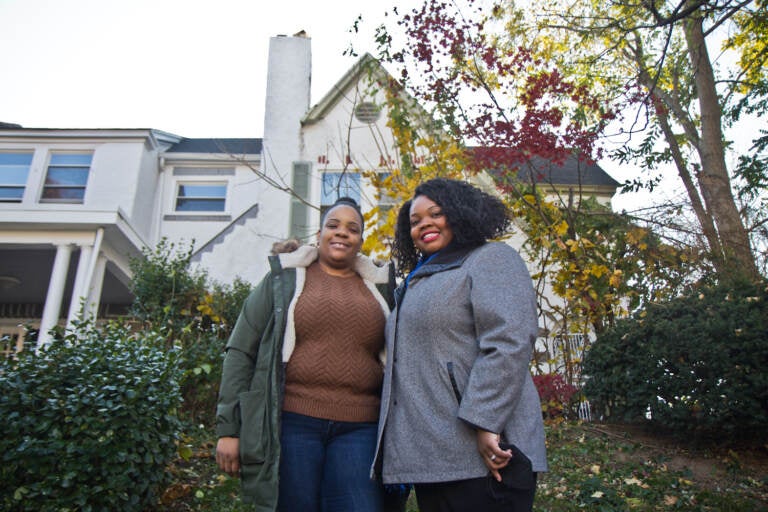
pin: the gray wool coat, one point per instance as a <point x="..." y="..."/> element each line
<point x="460" y="343"/>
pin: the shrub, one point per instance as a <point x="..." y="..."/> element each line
<point x="193" y="315"/>
<point x="90" y="422"/>
<point x="166" y="291"/>
<point x="555" y="395"/>
<point x="694" y="365"/>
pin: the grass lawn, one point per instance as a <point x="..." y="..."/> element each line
<point x="593" y="467"/>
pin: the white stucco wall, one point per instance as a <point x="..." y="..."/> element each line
<point x="145" y="207"/>
<point x="242" y="251"/>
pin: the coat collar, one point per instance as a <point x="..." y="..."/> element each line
<point x="306" y="254"/>
<point x="448" y="258"/>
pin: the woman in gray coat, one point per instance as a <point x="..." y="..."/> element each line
<point x="460" y="416"/>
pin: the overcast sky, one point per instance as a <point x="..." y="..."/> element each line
<point x="193" y="68"/>
<point x="190" y="67"/>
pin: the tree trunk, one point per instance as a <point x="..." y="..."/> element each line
<point x="713" y="178"/>
<point x="705" y="220"/>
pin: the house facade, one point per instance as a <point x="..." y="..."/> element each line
<point x="76" y="205"/>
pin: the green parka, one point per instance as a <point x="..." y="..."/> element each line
<point x="251" y="392"/>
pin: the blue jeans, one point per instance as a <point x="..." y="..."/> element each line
<point x="325" y="466"/>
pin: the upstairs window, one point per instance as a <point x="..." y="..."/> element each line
<point x="340" y="184"/>
<point x="201" y="197"/>
<point x="14" y="169"/>
<point x="67" y="177"/>
<point x="336" y="185"/>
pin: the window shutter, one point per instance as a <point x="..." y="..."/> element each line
<point x="299" y="210"/>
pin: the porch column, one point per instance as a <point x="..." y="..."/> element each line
<point x="97" y="282"/>
<point x="55" y="294"/>
<point x="79" y="294"/>
<point x="85" y="276"/>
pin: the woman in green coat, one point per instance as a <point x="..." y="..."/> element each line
<point x="301" y="383"/>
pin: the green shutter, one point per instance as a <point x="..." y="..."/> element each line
<point x="299" y="210"/>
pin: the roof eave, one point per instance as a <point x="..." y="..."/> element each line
<point x="318" y="111"/>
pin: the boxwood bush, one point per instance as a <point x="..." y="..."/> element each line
<point x="89" y="423"/>
<point x="695" y="366"/>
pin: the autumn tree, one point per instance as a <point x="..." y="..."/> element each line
<point x="652" y="62"/>
<point x="508" y="107"/>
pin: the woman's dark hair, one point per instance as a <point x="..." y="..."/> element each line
<point x="473" y="215"/>
<point x="344" y="201"/>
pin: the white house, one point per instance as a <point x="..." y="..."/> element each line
<point x="77" y="204"/>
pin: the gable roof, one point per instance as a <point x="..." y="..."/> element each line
<point x="236" y="146"/>
<point x="571" y="172"/>
<point x="365" y="64"/>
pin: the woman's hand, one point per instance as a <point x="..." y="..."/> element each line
<point x="494" y="457"/>
<point x="228" y="455"/>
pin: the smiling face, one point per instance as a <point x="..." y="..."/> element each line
<point x="430" y="230"/>
<point x="341" y="237"/>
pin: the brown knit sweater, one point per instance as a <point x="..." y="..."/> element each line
<point x="335" y="372"/>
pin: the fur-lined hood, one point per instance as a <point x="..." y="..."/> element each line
<point x="305" y="255"/>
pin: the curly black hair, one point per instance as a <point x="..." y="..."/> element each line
<point x="473" y="215"/>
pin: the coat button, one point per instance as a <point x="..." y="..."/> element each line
<point x="279" y="310"/>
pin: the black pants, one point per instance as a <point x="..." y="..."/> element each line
<point x="473" y="495"/>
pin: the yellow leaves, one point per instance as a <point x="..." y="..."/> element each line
<point x="616" y="278"/>
<point x="185" y="451"/>
<point x="636" y="235"/>
<point x="751" y="41"/>
<point x="206" y="309"/>
<point x="637" y="482"/>
<point x="598" y="270"/>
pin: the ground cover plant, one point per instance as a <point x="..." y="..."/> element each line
<point x="593" y="466"/>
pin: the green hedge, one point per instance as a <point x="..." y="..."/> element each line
<point x="695" y="365"/>
<point x="89" y="424"/>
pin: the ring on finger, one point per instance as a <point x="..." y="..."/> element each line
<point x="492" y="457"/>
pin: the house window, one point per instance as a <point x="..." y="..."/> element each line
<point x="67" y="177"/>
<point x="14" y="169"/>
<point x="340" y="184"/>
<point x="201" y="197"/>
<point x="336" y="185"/>
<point x="386" y="201"/>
